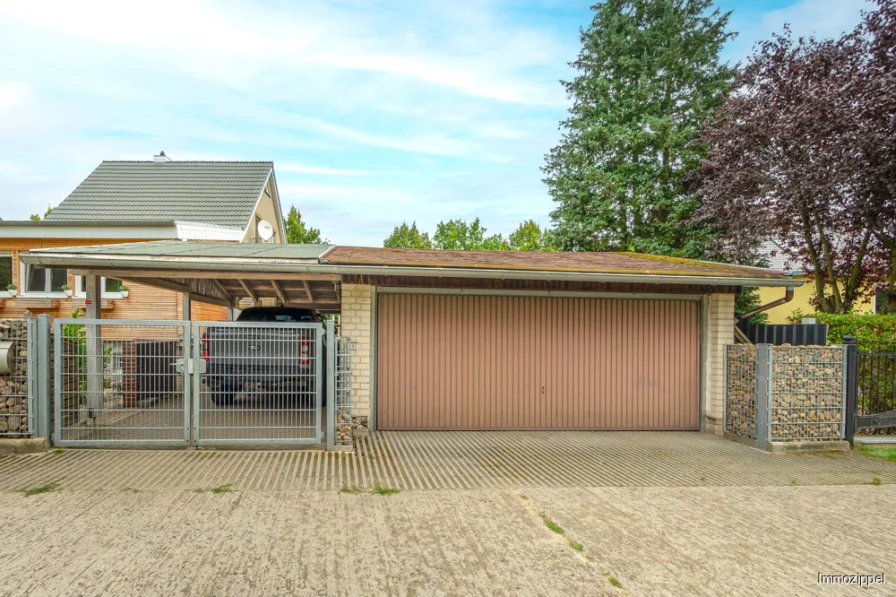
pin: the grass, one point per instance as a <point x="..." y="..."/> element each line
<point x="553" y="525"/>
<point x="875" y="481"/>
<point x="881" y="453"/>
<point x="384" y="490"/>
<point x="58" y="451"/>
<point x="48" y="488"/>
<point x="129" y="490"/>
<point x="522" y="497"/>
<point x="614" y="582"/>
<point x="577" y="546"/>
<point x="226" y="488"/>
<point x="793" y="482"/>
<point x="353" y="489"/>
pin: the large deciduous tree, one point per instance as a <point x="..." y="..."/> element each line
<point x="458" y="235"/>
<point x="531" y="237"/>
<point x="408" y="237"/>
<point x="803" y="150"/>
<point x="649" y="75"/>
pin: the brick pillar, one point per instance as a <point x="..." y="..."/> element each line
<point x="356" y="323"/>
<point x="718" y="330"/>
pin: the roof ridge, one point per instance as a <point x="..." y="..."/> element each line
<point x="188" y="162"/>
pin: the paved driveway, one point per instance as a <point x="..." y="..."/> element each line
<point x="456" y="460"/>
<point x="248" y="523"/>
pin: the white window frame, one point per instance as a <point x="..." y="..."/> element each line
<point x="23" y="286"/>
<point x="82" y="292"/>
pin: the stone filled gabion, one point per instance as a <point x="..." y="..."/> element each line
<point x="14" y="385"/>
<point x="740" y="413"/>
<point x="344" y="428"/>
<point x="806" y="392"/>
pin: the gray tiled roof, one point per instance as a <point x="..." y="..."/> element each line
<point x="222" y="193"/>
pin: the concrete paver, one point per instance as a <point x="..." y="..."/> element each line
<point x="662" y="514"/>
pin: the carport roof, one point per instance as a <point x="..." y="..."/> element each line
<point x="294" y="259"/>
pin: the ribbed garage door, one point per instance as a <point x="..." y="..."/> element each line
<point x="502" y="362"/>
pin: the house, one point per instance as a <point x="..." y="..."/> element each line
<point x="776" y="255"/>
<point x="138" y="201"/>
<point x="479" y="340"/>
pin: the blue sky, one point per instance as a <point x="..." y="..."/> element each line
<point x="374" y="112"/>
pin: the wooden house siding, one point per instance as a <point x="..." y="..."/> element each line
<point x="143" y="302"/>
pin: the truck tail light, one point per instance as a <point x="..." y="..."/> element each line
<point x="304" y="351"/>
<point x="204" y="345"/>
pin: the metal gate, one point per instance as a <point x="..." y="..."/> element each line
<point x="257" y="383"/>
<point x="172" y="383"/>
<point x="120" y="383"/>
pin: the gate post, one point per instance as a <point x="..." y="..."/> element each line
<point x="763" y="394"/>
<point x="851" y="371"/>
<point x="331" y="386"/>
<point x="42" y="356"/>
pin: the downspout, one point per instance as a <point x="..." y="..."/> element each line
<point x="788" y="296"/>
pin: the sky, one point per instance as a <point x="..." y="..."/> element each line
<point x="374" y="112"/>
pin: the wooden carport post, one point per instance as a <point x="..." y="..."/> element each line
<point x="94" y="346"/>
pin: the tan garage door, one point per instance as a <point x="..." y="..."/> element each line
<point x="499" y="362"/>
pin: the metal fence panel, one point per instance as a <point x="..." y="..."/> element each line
<point x="795" y="334"/>
<point x="120" y="382"/>
<point x="875" y="387"/>
<point x="257" y="383"/>
<point x="16" y="380"/>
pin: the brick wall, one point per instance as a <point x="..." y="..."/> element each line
<point x="357" y="321"/>
<point x="719" y="330"/>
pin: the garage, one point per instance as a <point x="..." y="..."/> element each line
<point x="471" y="340"/>
<point x="492" y="362"/>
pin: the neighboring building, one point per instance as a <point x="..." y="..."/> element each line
<point x="777" y="257"/>
<point x="138" y="201"/>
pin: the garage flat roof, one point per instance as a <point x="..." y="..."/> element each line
<point x="606" y="262"/>
<point x="235" y="259"/>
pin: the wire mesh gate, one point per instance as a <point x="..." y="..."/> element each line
<point x="118" y="383"/>
<point x="154" y="383"/>
<point x="261" y="383"/>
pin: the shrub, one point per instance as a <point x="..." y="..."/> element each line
<point x="870" y="330"/>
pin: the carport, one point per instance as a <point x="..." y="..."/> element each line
<point x="480" y="340"/>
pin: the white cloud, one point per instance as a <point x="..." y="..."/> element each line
<point x="13" y="94"/>
<point x="319" y="170"/>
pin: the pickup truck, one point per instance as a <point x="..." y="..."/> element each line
<point x="269" y="363"/>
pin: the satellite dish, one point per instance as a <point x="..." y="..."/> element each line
<point x="265" y="230"/>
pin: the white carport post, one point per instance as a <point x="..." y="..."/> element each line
<point x="185" y="298"/>
<point x="94" y="346"/>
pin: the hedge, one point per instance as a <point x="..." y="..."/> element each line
<point x="870" y="330"/>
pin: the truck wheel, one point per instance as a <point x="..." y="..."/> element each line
<point x="221" y="394"/>
<point x="222" y="398"/>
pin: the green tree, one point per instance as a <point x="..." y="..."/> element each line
<point x="649" y="75"/>
<point x="408" y="237"/>
<point x="530" y="237"/>
<point x="36" y="217"/>
<point x="458" y="235"/>
<point x="297" y="231"/>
